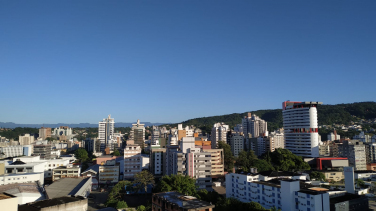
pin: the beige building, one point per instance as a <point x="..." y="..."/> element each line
<point x="217" y="161"/>
<point x="26" y="139"/>
<point x="8" y="202"/>
<point x="137" y="133"/>
<point x="109" y="172"/>
<point x="65" y="171"/>
<point x="132" y="159"/>
<point x="44" y="132"/>
<point x="333" y="175"/>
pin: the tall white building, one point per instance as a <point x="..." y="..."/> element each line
<point x="301" y="128"/>
<point x="219" y="133"/>
<point x="106" y="133"/>
<point x="254" y="125"/>
<point x="132" y="160"/>
<point x="155" y="135"/>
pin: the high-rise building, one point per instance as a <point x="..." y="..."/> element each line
<point x="301" y="128"/>
<point x="219" y="133"/>
<point x="157" y="160"/>
<point x="44" y="151"/>
<point x="355" y="152"/>
<point x="44" y="132"/>
<point x="237" y="144"/>
<point x="362" y="137"/>
<point x="132" y="159"/>
<point x="106" y="133"/>
<point x="254" y="125"/>
<point x="137" y="134"/>
<point x="26" y="139"/>
<point x="155" y="135"/>
<point x="333" y="136"/>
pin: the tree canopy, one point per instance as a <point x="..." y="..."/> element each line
<point x="247" y="160"/>
<point x="81" y="154"/>
<point x="228" y="156"/>
<point x="116" y="153"/>
<point x="317" y="176"/>
<point x="182" y="184"/>
<point x="284" y="160"/>
<point x="143" y="179"/>
<point x="115" y="195"/>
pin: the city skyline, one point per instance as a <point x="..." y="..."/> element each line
<point x="170" y="61"/>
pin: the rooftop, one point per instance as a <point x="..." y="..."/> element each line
<point x="364" y="171"/>
<point x="345" y="197"/>
<point x="37" y="206"/>
<point x="185" y="202"/>
<point x="65" y="187"/>
<point x="20" y="188"/>
<point x="312" y="191"/>
<point x="4" y="196"/>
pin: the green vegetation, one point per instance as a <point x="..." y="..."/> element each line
<point x="18" y="131"/>
<point x="284" y="160"/>
<point x="227" y="153"/>
<point x="143" y="179"/>
<point x="115" y="195"/>
<point x="179" y="183"/>
<point x="121" y="205"/>
<point x="141" y="208"/>
<point x="317" y="176"/>
<point x="81" y="154"/>
<point x="327" y="115"/>
<point x="116" y="153"/>
<point x="247" y="160"/>
<point x="360" y="183"/>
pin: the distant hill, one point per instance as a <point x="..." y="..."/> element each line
<point x="327" y="115"/>
<point x="80" y="125"/>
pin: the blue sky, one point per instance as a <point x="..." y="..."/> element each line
<point x="169" y="61"/>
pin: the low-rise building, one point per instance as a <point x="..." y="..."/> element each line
<point x="69" y="187"/>
<point x="65" y="172"/>
<point x="8" y="202"/>
<point x="25" y="192"/>
<point x="109" y="173"/>
<point x="22" y="178"/>
<point x="11" y="151"/>
<point x="61" y="204"/>
<point x="365" y="175"/>
<point x="132" y="159"/>
<point x="333" y="175"/>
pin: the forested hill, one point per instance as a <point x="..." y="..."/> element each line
<point x="327" y="114"/>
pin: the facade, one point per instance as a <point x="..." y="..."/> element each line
<point x="132" y="160"/>
<point x="62" y="131"/>
<point x="276" y="140"/>
<point x="333" y="175"/>
<point x="11" y="151"/>
<point x="157" y="160"/>
<point x="301" y="128"/>
<point x="217" y="161"/>
<point x="22" y="178"/>
<point x="363" y="137"/>
<point x="324" y="149"/>
<point x="254" y="125"/>
<point x="44" y="132"/>
<point x="43" y="150"/>
<point x="26" y="139"/>
<point x="355" y="151"/>
<point x="174" y="201"/>
<point x="106" y="133"/>
<point x="68" y="171"/>
<point x="219" y="133"/>
<point x="237" y="144"/>
<point x="137" y="134"/>
<point x="155" y="135"/>
<point x="109" y="173"/>
<point x="8" y="202"/>
<point x="333" y="136"/>
<point x="282" y="194"/>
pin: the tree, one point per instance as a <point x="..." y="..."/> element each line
<point x="177" y="182"/>
<point x="228" y="157"/>
<point x="143" y="179"/>
<point x="360" y="183"/>
<point x="116" y="192"/>
<point x="247" y="160"/>
<point x="81" y="154"/>
<point x="116" y="153"/>
<point x="141" y="208"/>
<point x="121" y="205"/>
<point x="284" y="160"/>
<point x="317" y="176"/>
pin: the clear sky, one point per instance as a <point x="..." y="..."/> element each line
<point x="169" y="61"/>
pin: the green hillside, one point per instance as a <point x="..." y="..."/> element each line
<point x="327" y="115"/>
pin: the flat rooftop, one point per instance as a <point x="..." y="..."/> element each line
<point x="185" y="202"/>
<point x="65" y="187"/>
<point x="345" y="197"/>
<point x="19" y="188"/>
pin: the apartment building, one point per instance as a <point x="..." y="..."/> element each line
<point x="217" y="161"/>
<point x="132" y="159"/>
<point x="355" y="151"/>
<point x="109" y="173"/>
<point x="65" y="172"/>
<point x="157" y="160"/>
<point x="301" y="128"/>
<point x="333" y="136"/>
<point x="44" y="133"/>
<point x="26" y="139"/>
<point x="174" y="201"/>
<point x="218" y="133"/>
<point x="284" y="194"/>
<point x="137" y="134"/>
<point x="43" y="150"/>
<point x="254" y="125"/>
<point x="363" y="137"/>
<point x="106" y="133"/>
<point x="11" y="151"/>
<point x="237" y="144"/>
